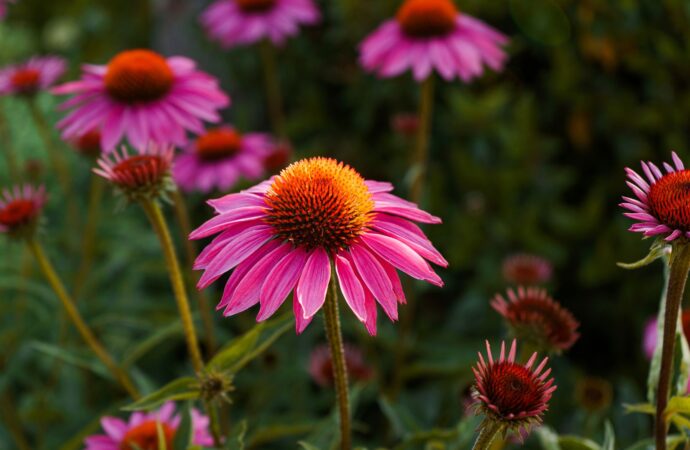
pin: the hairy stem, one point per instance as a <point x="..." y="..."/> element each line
<point x="155" y="215"/>
<point x="182" y="214"/>
<point x="421" y="154"/>
<point x="679" y="266"/>
<point x="335" y="341"/>
<point x="488" y="431"/>
<point x="76" y="318"/>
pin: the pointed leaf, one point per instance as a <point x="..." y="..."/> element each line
<point x="184" y="388"/>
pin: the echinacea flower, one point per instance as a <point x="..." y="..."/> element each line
<point x="243" y="22"/>
<point x="534" y="317"/>
<point x="20" y="208"/>
<point x="219" y="158"/>
<point x="321" y="365"/>
<point x="142" y="96"/>
<point x="285" y="233"/>
<point x="144" y="174"/>
<point x="30" y="77"/>
<point x="526" y="269"/>
<point x="593" y="394"/>
<point x="432" y="35"/>
<point x="513" y="395"/>
<point x="140" y="432"/>
<point x="89" y="143"/>
<point x="661" y="201"/>
<point x="278" y="159"/>
<point x="3" y="7"/>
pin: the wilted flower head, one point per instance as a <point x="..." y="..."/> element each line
<point x="321" y="365"/>
<point x="30" y="77"/>
<point x="593" y="394"/>
<point x="526" y="269"/>
<point x="220" y="157"/>
<point x="140" y="432"/>
<point x="514" y="395"/>
<point x="286" y="233"/>
<point x="662" y="201"/>
<point x="89" y="143"/>
<point x="428" y="35"/>
<point x="243" y="22"/>
<point x="144" y="174"/>
<point x="20" y="208"/>
<point x="142" y="96"/>
<point x="534" y="317"/>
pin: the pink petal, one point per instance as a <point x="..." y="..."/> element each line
<point x="313" y="283"/>
<point x="280" y="281"/>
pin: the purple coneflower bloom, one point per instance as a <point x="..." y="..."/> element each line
<point x="429" y="35"/>
<point x="30" y="77"/>
<point x="20" y="207"/>
<point x="142" y="96"/>
<point x="287" y="232"/>
<point x="141" y="430"/>
<point x="243" y="22"/>
<point x="219" y="158"/>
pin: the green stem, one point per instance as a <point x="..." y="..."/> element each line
<point x="488" y="431"/>
<point x="58" y="163"/>
<point x="89" y="235"/>
<point x="679" y="267"/>
<point x="182" y="214"/>
<point x="335" y="341"/>
<point x="273" y="93"/>
<point x="8" y="410"/>
<point x="216" y="432"/>
<point x="76" y="318"/>
<point x="421" y="154"/>
<point x="155" y="215"/>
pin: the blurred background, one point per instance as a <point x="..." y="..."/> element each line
<point x="528" y="160"/>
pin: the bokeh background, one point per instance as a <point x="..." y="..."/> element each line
<point x="530" y="159"/>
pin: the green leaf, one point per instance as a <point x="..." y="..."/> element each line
<point x="77" y="360"/>
<point x="678" y="405"/>
<point x="184" y="433"/>
<point x="160" y="335"/>
<point x="307" y="446"/>
<point x="577" y="443"/>
<point x="609" y="437"/>
<point x="659" y="249"/>
<point x="235" y="440"/>
<point x="184" y="388"/>
<point x="644" y="408"/>
<point x="401" y="420"/>
<point x="547" y="438"/>
<point x="242" y="350"/>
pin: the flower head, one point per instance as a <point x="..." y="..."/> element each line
<point x="429" y="35"/>
<point x="533" y="316"/>
<point x="593" y="394"/>
<point x="661" y="201"/>
<point x="140" y="432"/>
<point x="89" y="143"/>
<point x="31" y="77"/>
<point x="510" y="393"/>
<point x="526" y="269"/>
<point x="278" y="159"/>
<point x="142" y="96"/>
<point x="219" y="158"/>
<point x="244" y="22"/>
<point x="144" y="174"/>
<point x="321" y="365"/>
<point x="20" y="209"/>
<point x="286" y="232"/>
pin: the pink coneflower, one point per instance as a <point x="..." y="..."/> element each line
<point x="284" y="233"/>
<point x="143" y="174"/>
<point x="219" y="158"/>
<point x="20" y="208"/>
<point x="511" y="394"/>
<point x="3" y="7"/>
<point x="142" y="96"/>
<point x="88" y="144"/>
<point x="661" y="203"/>
<point x="650" y="333"/>
<point x="429" y="35"/>
<point x="533" y="316"/>
<point x="321" y="365"/>
<point x="526" y="269"/>
<point x="243" y="22"/>
<point x="32" y="76"/>
<point x="278" y="159"/>
<point x="140" y="432"/>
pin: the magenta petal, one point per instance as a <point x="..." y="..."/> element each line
<point x="280" y="281"/>
<point x="401" y="256"/>
<point x="234" y="253"/>
<point x="114" y="427"/>
<point x="300" y="322"/>
<point x="376" y="279"/>
<point x="411" y="235"/>
<point x="313" y="283"/>
<point x="232" y="202"/>
<point x="222" y="221"/>
<point x="351" y="287"/>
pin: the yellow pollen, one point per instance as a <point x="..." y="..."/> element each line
<point x="319" y="203"/>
